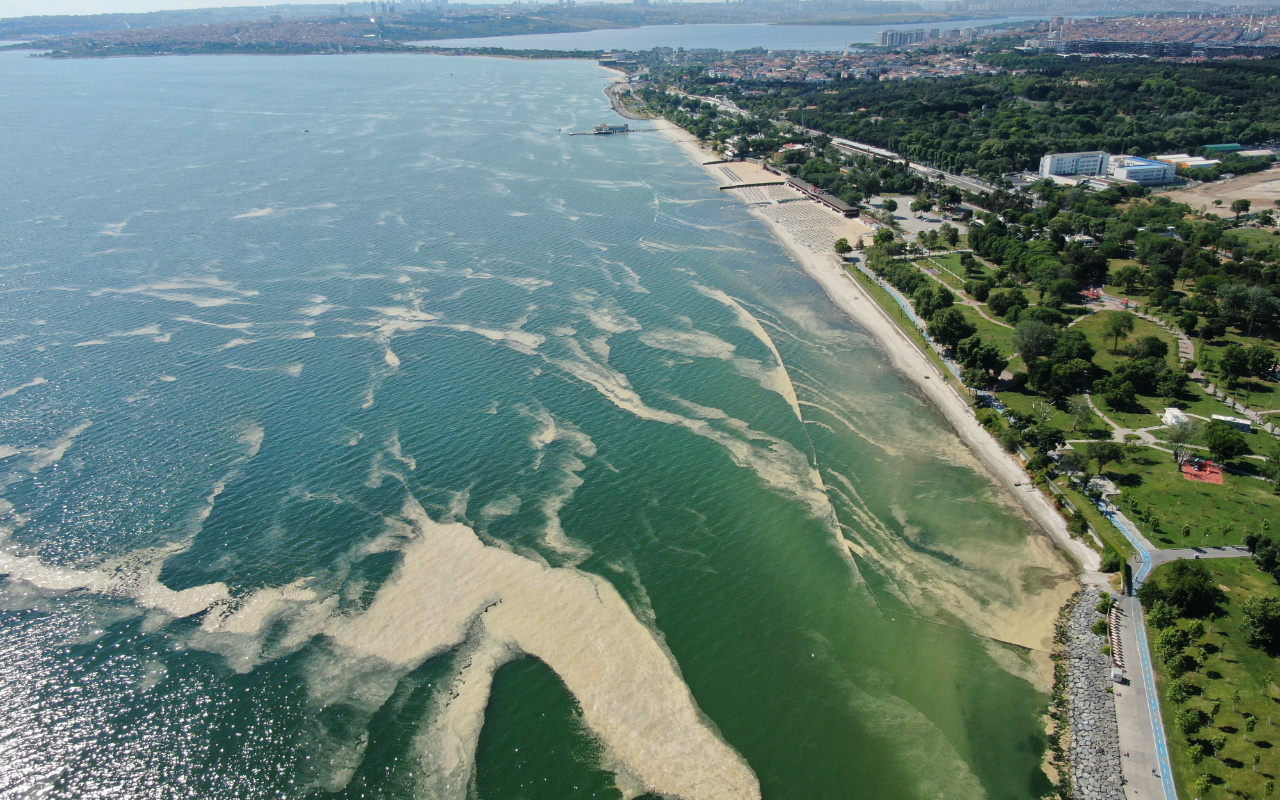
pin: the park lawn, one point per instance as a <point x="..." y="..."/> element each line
<point x="1032" y="404"/>
<point x="1254" y="393"/>
<point x="953" y="283"/>
<point x="1234" y="666"/>
<point x="1092" y="326"/>
<point x="991" y="333"/>
<point x="1193" y="400"/>
<point x="1153" y="408"/>
<point x="1218" y="515"/>
<point x="1257" y="236"/>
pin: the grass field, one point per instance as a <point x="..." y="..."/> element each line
<point x="991" y="333"/>
<point x="1162" y="502"/>
<point x="1240" y="678"/>
<point x="1092" y="327"/>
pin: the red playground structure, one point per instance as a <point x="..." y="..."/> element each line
<point x="1203" y="470"/>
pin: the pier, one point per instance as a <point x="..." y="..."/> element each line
<point x="749" y="185"/>
<point x="608" y="130"/>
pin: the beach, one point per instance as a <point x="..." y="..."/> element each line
<point x="826" y="269"/>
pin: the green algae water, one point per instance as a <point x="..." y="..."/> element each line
<point x="364" y="435"/>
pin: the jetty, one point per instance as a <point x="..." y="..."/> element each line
<point x="604" y="129"/>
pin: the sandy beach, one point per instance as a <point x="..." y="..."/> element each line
<point x="827" y="270"/>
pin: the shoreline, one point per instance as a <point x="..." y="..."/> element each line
<point x="841" y="288"/>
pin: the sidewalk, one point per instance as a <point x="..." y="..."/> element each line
<point x="1140" y="746"/>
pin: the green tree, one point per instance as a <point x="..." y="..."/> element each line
<point x="1161" y="615"/>
<point x="1118" y="394"/>
<point x="889" y="204"/>
<point x="1262" y="359"/>
<point x="1261" y="623"/>
<point x="1203" y="784"/>
<point x="843" y="246"/>
<point x="1118" y="325"/>
<point x="1181" y="690"/>
<point x="1034" y="339"/>
<point x="1130" y="278"/>
<point x="1180" y="436"/>
<point x="921" y="204"/>
<point x="1224" y="442"/>
<point x="1240" y="206"/>
<point x="950" y="234"/>
<point x="1189" y="721"/>
<point x="1234" y="363"/>
<point x="883" y="237"/>
<point x="1080" y="411"/>
<point x="1104" y="453"/>
<point x="948" y="327"/>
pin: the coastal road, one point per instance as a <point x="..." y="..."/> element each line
<point x="1143" y="742"/>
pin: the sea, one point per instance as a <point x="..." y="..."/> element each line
<point x="364" y="434"/>
<point x="719" y="36"/>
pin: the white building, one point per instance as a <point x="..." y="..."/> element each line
<point x="1188" y="161"/>
<point x="1174" y="416"/>
<point x="1141" y="170"/>
<point x="1092" y="163"/>
<point x="1243" y="425"/>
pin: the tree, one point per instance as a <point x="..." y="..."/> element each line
<point x="1203" y="784"/>
<point x="889" y="204"/>
<point x="1186" y="586"/>
<point x="1118" y="325"/>
<point x="1218" y="742"/>
<point x="1190" y="721"/>
<point x="1261" y="623"/>
<point x="1270" y="468"/>
<point x="1181" y="690"/>
<point x="1080" y="411"/>
<point x="951" y="235"/>
<point x="1180" y="435"/>
<point x="948" y="327"/>
<point x="921" y="204"/>
<point x="1104" y="453"/>
<point x="1240" y="206"/>
<point x="1224" y="442"/>
<point x="1048" y="438"/>
<point x="1117" y="393"/>
<point x="1262" y="360"/>
<point x="843" y="246"/>
<point x="883" y="237"/>
<point x="1034" y="339"/>
<point x="1130" y="278"/>
<point x="1234" y="363"/>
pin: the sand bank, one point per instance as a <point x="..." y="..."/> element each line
<point x="827" y="270"/>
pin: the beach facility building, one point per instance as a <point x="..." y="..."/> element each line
<point x="1144" y="171"/>
<point x="1240" y="424"/>
<point x="1090" y="163"/>
<point x="1188" y="161"/>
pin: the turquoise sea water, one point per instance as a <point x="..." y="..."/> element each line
<point x="364" y="434"/>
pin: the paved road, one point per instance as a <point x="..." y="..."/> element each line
<point x="1159" y="557"/>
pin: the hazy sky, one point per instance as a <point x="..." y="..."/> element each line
<point x="28" y="8"/>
